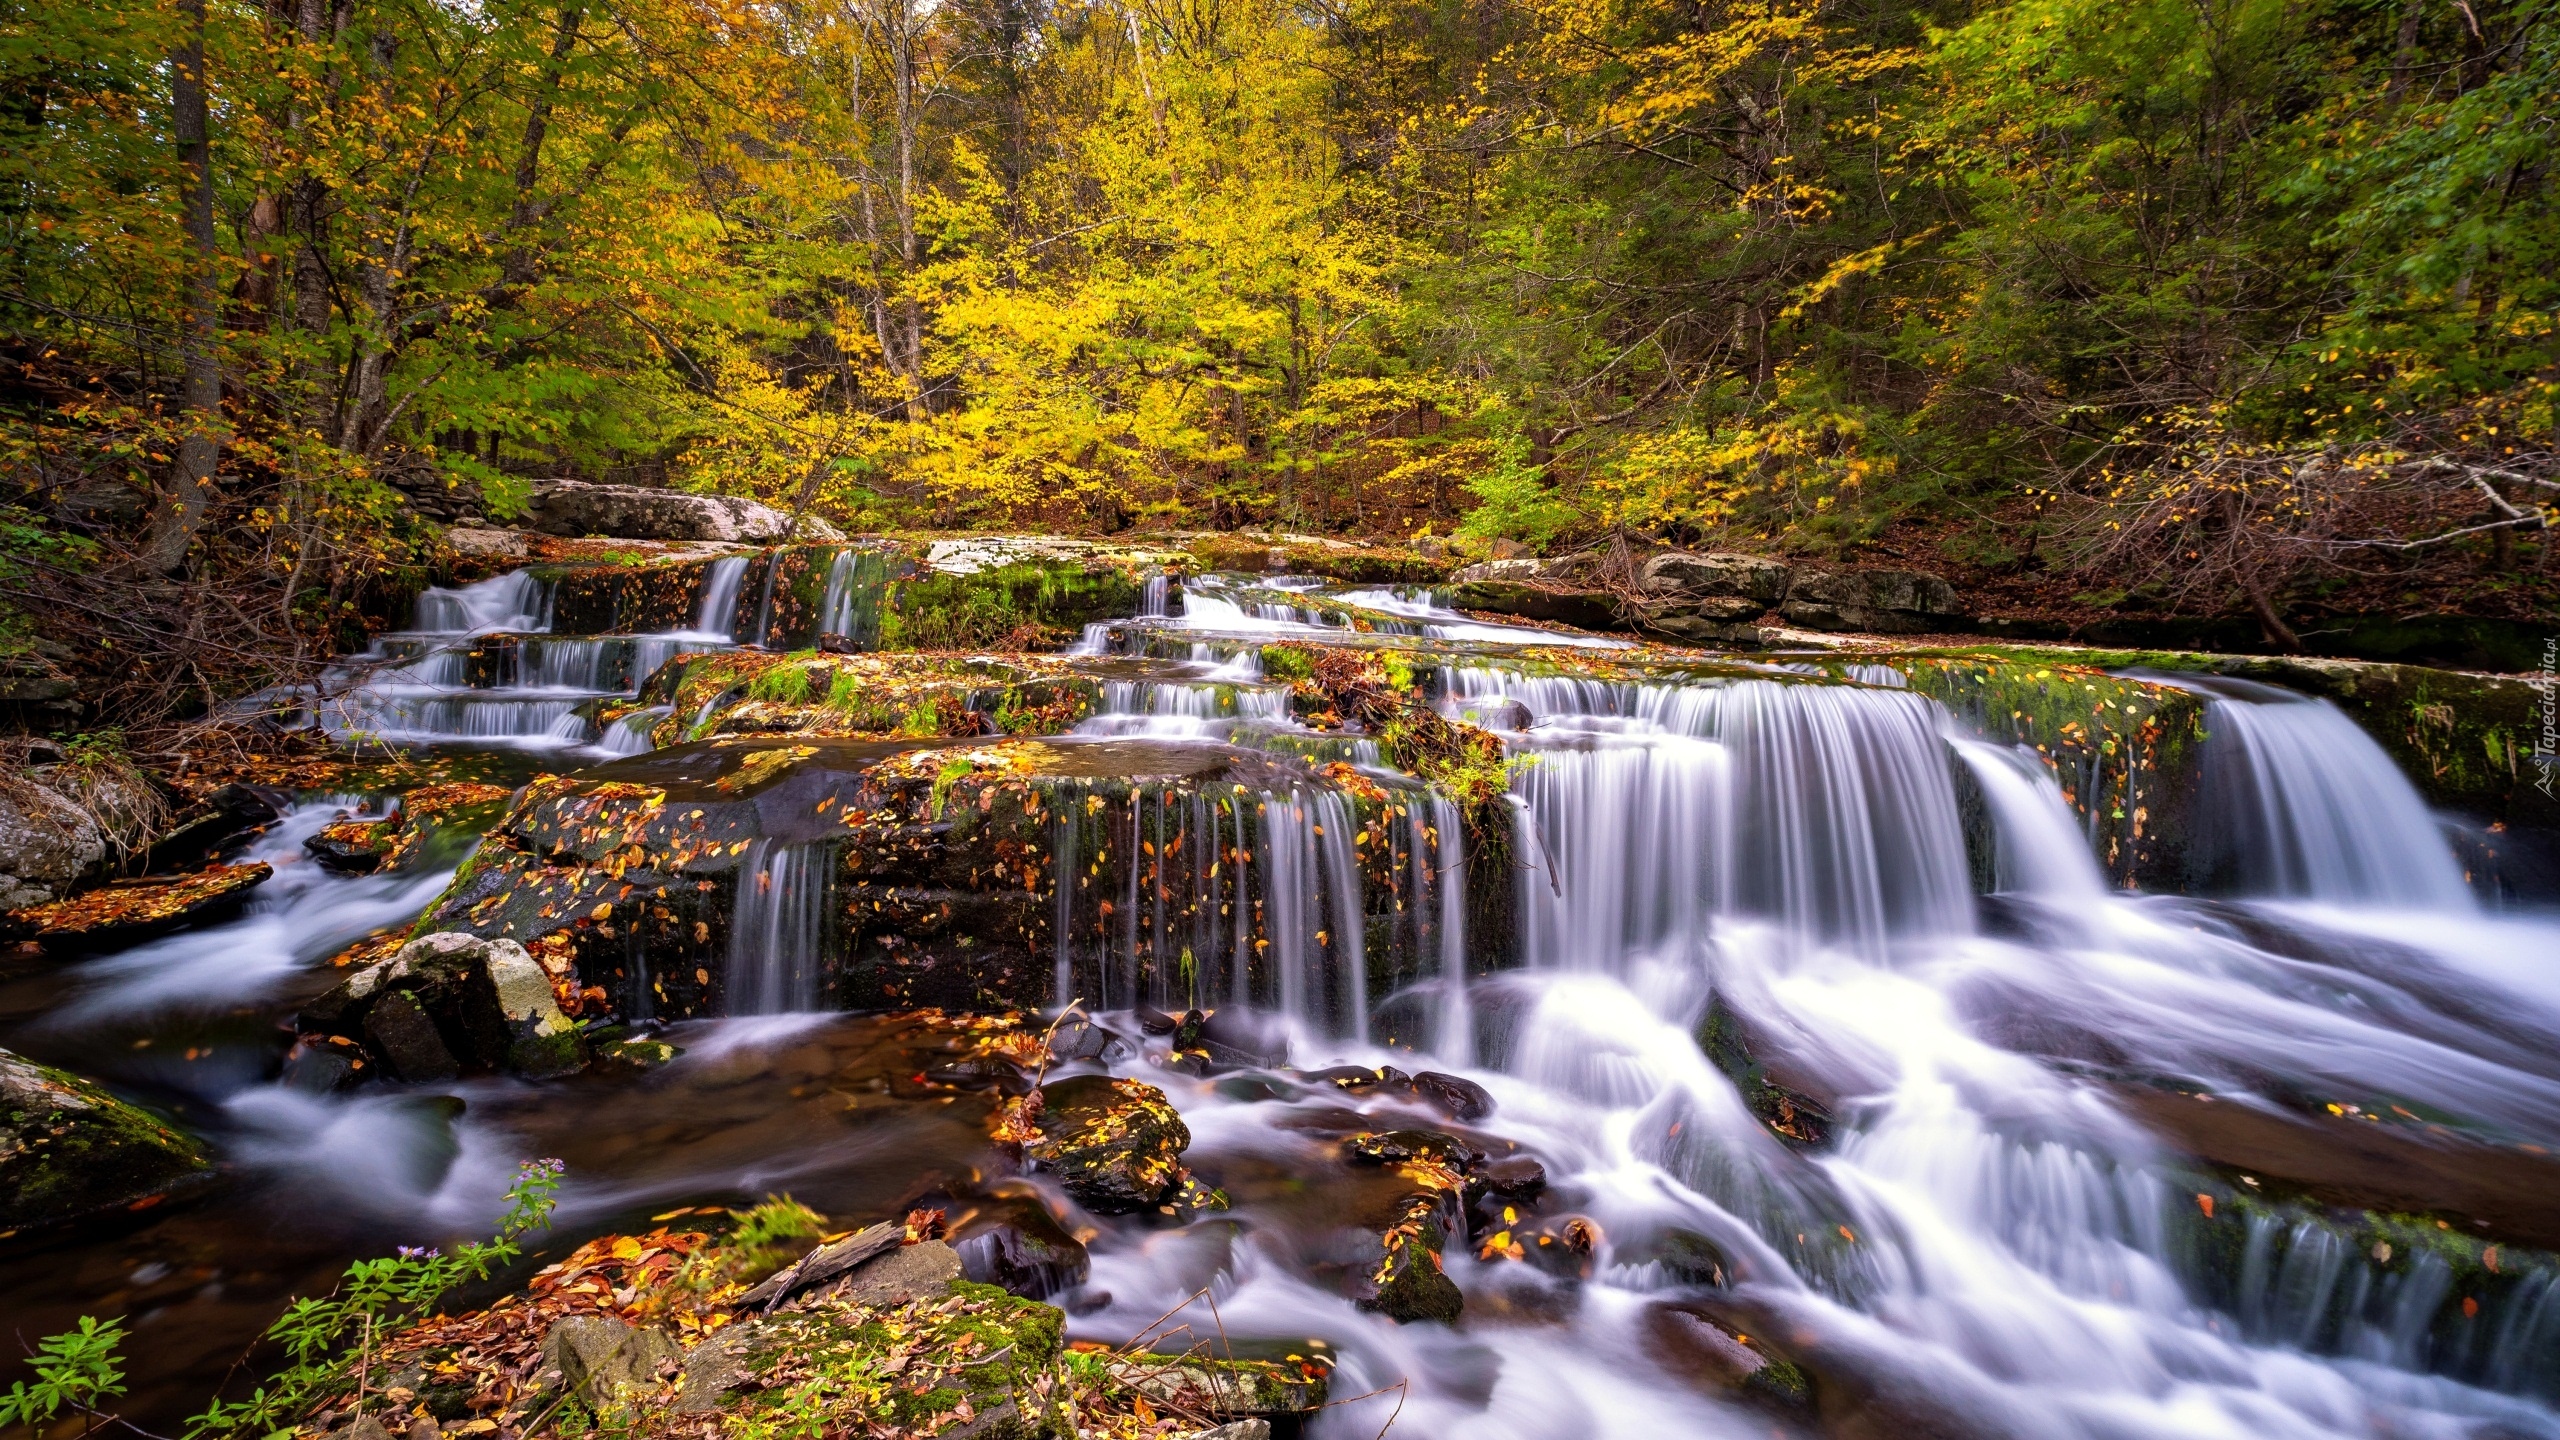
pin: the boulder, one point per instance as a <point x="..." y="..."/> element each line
<point x="598" y="1355"/>
<point x="226" y="815"/>
<point x="1455" y="1096"/>
<point x="1513" y="571"/>
<point x="1407" y="1283"/>
<point x="1716" y="573"/>
<point x="473" y="542"/>
<point x="1223" y="1389"/>
<point x="350" y="847"/>
<point x="640" y="512"/>
<point x="68" y="1148"/>
<point x="448" y="1003"/>
<point x="1115" y="1144"/>
<point x="133" y="910"/>
<point x="46" y="844"/>
<point x="1886" y="602"/>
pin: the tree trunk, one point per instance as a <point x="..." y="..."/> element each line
<point x="516" y="270"/>
<point x="190" y="487"/>
<point x="307" y="220"/>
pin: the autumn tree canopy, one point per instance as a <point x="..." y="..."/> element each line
<point x="2212" y="293"/>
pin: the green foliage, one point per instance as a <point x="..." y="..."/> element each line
<point x="783" y="684"/>
<point x="77" y="1370"/>
<point x="330" y="1340"/>
<point x="780" y="1218"/>
<point x="1789" y="272"/>
<point x="1288" y="662"/>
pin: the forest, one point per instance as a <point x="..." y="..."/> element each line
<point x="2197" y="306"/>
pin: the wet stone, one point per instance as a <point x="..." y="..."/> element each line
<point x="130" y="911"/>
<point x="1403" y="1147"/>
<point x="1031" y="1258"/>
<point x="449" y="1002"/>
<point x="350" y="847"/>
<point x="1457" y="1097"/>
<point x="1115" y="1144"/>
<point x="597" y="1355"/>
<point x="68" y="1148"/>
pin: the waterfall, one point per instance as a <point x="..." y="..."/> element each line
<point x="1312" y="915"/>
<point x="630" y="734"/>
<point x="1442" y="623"/>
<point x="777" y="933"/>
<point x="1825" y="808"/>
<point x="717" y="614"/>
<point x="584" y="663"/>
<point x="1153" y="597"/>
<point x="1440" y="894"/>
<point x="513" y="601"/>
<point x="2038" y="849"/>
<point x="2296" y="801"/>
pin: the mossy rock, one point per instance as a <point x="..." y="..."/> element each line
<point x="1357" y="564"/>
<point x="1115" y="1144"/>
<point x="975" y="1344"/>
<point x="350" y="847"/>
<point x="1006" y="605"/>
<point x="942" y="861"/>
<point x="68" y="1148"/>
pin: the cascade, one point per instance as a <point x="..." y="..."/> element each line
<point x="513" y="601"/>
<point x="717" y="615"/>
<point x="481" y="666"/>
<point x="778" y="929"/>
<point x="1998" y="1234"/>
<point x="2298" y="802"/>
<point x="2040" y="851"/>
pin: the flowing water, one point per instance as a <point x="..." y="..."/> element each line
<point x="2000" y="1238"/>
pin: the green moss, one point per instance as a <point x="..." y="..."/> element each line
<point x="1288" y="662"/>
<point x="997" y="605"/>
<point x="784" y="684"/>
<point x="68" y="1148"/>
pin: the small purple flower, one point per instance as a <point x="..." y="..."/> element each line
<point x="420" y="1252"/>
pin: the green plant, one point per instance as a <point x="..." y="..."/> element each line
<point x="951" y="773"/>
<point x="75" y="1370"/>
<point x="779" y="1218"/>
<point x="1288" y="662"/>
<point x="331" y="1341"/>
<point x="93" y="749"/>
<point x="785" y="684"/>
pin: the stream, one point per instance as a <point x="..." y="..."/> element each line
<point x="1998" y="1238"/>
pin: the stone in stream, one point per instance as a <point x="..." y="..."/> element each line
<point x="68" y="1148"/>
<point x="46" y="844"/>
<point x="126" y="912"/>
<point x="1727" y="1360"/>
<point x="1115" y="1144"/>
<point x="350" y="847"/>
<point x="1026" y="1254"/>
<point x="597" y="1356"/>
<point x="221" y="818"/>
<point x="1457" y="1097"/>
<point x="448" y="1003"/>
